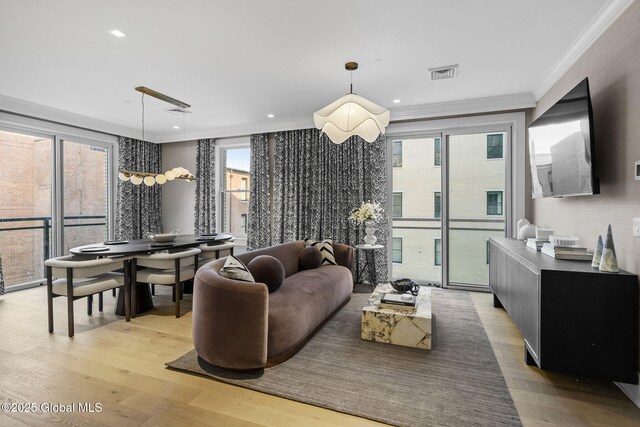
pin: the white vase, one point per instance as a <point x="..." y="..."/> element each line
<point x="369" y="229"/>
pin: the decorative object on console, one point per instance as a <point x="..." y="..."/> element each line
<point x="351" y="115"/>
<point x="543" y="233"/>
<point x="535" y="243"/>
<point x="405" y="285"/>
<point x="609" y="261"/>
<point x="326" y="249"/>
<point x="164" y="237"/>
<point x="597" y="254"/>
<point x="268" y="270"/>
<point x="564" y="241"/>
<point x="521" y="223"/>
<point x="528" y="231"/>
<point x="310" y="258"/>
<point x="234" y="269"/>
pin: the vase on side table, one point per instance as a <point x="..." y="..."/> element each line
<point x="369" y="229"/>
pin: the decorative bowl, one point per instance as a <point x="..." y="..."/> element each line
<point x="563" y="240"/>
<point x="163" y="237"/>
<point x="405" y="285"/>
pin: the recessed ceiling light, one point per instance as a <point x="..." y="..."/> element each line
<point x="176" y="127"/>
<point x="271" y="116"/>
<point x="396" y="101"/>
<point x="119" y="34"/>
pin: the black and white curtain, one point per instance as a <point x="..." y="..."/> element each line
<point x="205" y="212"/>
<point x="259" y="221"/>
<point x="138" y="207"/>
<point x="316" y="185"/>
<point x="1" y="278"/>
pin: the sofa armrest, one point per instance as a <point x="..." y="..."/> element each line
<point x="343" y="255"/>
<point x="230" y="320"/>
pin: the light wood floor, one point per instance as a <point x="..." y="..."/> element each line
<point x="121" y="366"/>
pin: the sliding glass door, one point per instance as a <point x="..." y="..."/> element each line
<point x="476" y="205"/>
<point x="449" y="196"/>
<point x="54" y="194"/>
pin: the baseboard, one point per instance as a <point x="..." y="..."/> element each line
<point x="631" y="390"/>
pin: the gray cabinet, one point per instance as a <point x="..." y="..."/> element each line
<point x="573" y="318"/>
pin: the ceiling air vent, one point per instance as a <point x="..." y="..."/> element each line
<point x="178" y="111"/>
<point x="447" y="72"/>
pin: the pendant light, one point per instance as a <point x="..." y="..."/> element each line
<point x="352" y="115"/>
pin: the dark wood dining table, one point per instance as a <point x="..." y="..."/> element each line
<point x="130" y="248"/>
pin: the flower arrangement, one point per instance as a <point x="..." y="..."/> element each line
<point x="367" y="211"/>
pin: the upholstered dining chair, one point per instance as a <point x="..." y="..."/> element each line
<point x="78" y="278"/>
<point x="212" y="252"/>
<point x="170" y="269"/>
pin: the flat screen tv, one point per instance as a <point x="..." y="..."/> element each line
<point x="561" y="144"/>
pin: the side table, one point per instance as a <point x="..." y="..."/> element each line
<point x="369" y="264"/>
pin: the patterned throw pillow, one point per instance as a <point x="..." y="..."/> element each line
<point x="234" y="269"/>
<point x="326" y="249"/>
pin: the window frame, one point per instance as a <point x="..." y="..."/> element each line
<point x="437" y="195"/>
<point x="437" y="153"/>
<point x="501" y="146"/>
<point x="397" y="142"/>
<point x="393" y="204"/>
<point x="437" y="242"/>
<point x="221" y="147"/>
<point x="394" y="250"/>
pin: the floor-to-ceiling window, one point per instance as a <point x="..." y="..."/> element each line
<point x="452" y="192"/>
<point x="235" y="189"/>
<point x="54" y="194"/>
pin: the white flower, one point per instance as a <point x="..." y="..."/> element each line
<point x="367" y="211"/>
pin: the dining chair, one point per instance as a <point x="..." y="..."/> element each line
<point x="78" y="278"/>
<point x="170" y="269"/>
<point x="212" y="252"/>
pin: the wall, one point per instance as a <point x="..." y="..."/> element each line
<point x="179" y="195"/>
<point x="612" y="65"/>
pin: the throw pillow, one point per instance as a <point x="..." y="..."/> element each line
<point x="310" y="258"/>
<point x="234" y="269"/>
<point x="326" y="249"/>
<point x="268" y="270"/>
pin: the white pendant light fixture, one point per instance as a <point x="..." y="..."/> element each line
<point x="352" y="115"/>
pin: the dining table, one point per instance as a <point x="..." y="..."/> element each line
<point x="130" y="248"/>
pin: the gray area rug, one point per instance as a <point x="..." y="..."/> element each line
<point x="457" y="383"/>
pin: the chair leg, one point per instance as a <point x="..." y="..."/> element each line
<point x="100" y="301"/>
<point x="50" y="299"/>
<point x="153" y="289"/>
<point x="70" y="301"/>
<point x="127" y="291"/>
<point x="90" y="305"/>
<point x="113" y="292"/>
<point x="134" y="288"/>
<point x="177" y="286"/>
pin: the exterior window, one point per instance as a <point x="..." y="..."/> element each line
<point x="397" y="154"/>
<point x="437" y="253"/>
<point x="397" y="250"/>
<point x="436" y="152"/>
<point x="487" y="260"/>
<point x="243" y="224"/>
<point x="397" y="205"/>
<point x="494" y="202"/>
<point x="243" y="186"/>
<point x="494" y="146"/>
<point x="437" y="213"/>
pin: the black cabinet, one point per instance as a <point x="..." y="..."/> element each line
<point x="573" y="318"/>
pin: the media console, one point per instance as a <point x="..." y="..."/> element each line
<point x="574" y="318"/>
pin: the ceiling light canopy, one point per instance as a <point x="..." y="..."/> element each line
<point x="117" y="33"/>
<point x="352" y="115"/>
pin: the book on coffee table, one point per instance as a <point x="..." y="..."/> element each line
<point x="406" y="308"/>
<point x="403" y="300"/>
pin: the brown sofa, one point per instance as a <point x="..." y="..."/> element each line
<point x="240" y="325"/>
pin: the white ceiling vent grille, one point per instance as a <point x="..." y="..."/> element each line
<point x="447" y="72"/>
<point x="178" y="111"/>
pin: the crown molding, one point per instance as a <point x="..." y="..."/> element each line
<point x="598" y="25"/>
<point x="54" y="115"/>
<point x="414" y="112"/>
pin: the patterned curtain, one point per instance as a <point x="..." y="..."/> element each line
<point x="259" y="221"/>
<point x="139" y="208"/>
<point x="205" y="212"/>
<point x="1" y="278"/>
<point x="316" y="184"/>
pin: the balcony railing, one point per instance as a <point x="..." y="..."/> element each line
<point x="41" y="223"/>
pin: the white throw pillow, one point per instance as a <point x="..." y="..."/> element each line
<point x="234" y="269"/>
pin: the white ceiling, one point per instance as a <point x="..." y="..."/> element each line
<point x="237" y="61"/>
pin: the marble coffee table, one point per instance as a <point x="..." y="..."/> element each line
<point x="410" y="329"/>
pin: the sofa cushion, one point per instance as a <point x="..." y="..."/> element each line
<point x="310" y="258"/>
<point x="326" y="249"/>
<point x="234" y="269"/>
<point x="302" y="303"/>
<point x="268" y="270"/>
